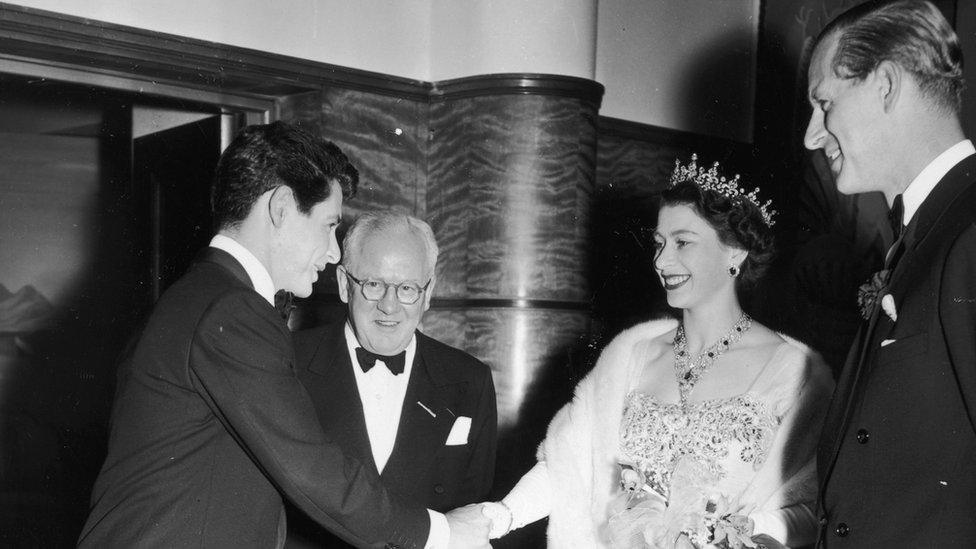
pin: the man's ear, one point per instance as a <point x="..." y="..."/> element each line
<point x="429" y="292"/>
<point x="280" y="203"/>
<point x="890" y="79"/>
<point x="342" y="283"/>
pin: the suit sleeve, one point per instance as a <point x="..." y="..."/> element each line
<point x="241" y="362"/>
<point x="481" y="469"/>
<point x="957" y="313"/>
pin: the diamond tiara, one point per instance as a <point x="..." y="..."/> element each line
<point x="711" y="181"/>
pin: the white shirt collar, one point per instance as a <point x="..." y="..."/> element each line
<point x="920" y="187"/>
<point x="260" y="277"/>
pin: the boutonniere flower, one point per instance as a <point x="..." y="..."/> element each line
<point x="888" y="306"/>
<point x="869" y="293"/>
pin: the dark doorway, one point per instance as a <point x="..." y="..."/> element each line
<point x="175" y="167"/>
<point x="84" y="251"/>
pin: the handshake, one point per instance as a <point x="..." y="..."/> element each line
<point x="473" y="525"/>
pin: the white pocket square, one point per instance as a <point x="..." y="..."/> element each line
<point x="888" y="305"/>
<point x="459" y="432"/>
<point x="887" y="342"/>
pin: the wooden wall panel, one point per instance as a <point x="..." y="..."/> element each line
<point x="386" y="139"/>
<point x="510" y="186"/>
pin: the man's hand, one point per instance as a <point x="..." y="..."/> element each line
<point x="469" y="528"/>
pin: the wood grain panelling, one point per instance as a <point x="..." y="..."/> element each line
<point x="510" y="183"/>
<point x="524" y="346"/>
<point x="386" y="139"/>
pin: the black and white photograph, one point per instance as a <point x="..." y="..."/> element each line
<point x="444" y="274"/>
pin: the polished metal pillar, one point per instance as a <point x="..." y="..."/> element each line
<point x="511" y="171"/>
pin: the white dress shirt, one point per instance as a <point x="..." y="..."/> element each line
<point x="382" y="395"/>
<point x="259" y="275"/>
<point x="920" y="187"/>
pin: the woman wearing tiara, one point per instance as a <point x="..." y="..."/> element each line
<point x="695" y="433"/>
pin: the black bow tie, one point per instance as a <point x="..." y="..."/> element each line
<point x="367" y="360"/>
<point x="896" y="216"/>
<point x="284" y="304"/>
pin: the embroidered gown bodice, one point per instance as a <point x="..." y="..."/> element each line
<point x="730" y="437"/>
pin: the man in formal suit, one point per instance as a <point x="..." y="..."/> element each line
<point x="419" y="413"/>
<point x="210" y="427"/>
<point x="896" y="459"/>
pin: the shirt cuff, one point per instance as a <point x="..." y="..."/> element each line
<point x="440" y="532"/>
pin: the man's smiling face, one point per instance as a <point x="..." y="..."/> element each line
<point x="391" y="256"/>
<point x="845" y="123"/>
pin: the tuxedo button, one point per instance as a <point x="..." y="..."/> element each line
<point x="438" y="489"/>
<point x="863" y="435"/>
<point x="842" y="529"/>
<point x="823" y="522"/>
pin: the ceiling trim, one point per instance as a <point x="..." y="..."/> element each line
<point x="65" y="46"/>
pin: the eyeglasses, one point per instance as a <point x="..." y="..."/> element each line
<point x="406" y="292"/>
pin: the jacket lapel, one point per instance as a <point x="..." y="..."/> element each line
<point x="423" y="429"/>
<point x="928" y="215"/>
<point x="334" y="384"/>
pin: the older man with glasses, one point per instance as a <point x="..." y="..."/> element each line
<point x="422" y="413"/>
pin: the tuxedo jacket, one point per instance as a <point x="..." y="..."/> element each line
<point x="423" y="469"/>
<point x="897" y="459"/>
<point x="210" y="427"/>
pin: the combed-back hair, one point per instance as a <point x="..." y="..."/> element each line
<point x="264" y="157"/>
<point x="913" y="34"/>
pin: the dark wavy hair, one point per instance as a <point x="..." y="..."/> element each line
<point x="910" y="33"/>
<point x="263" y="157"/>
<point x="738" y="222"/>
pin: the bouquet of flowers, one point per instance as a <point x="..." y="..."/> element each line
<point x="693" y="516"/>
<point x="719" y="526"/>
<point x="637" y="510"/>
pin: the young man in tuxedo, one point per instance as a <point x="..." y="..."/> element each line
<point x="899" y="442"/>
<point x="417" y="412"/>
<point x="210" y="427"/>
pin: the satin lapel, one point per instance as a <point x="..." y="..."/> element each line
<point x="423" y="429"/>
<point x="332" y="385"/>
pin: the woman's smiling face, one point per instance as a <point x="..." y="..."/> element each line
<point x="691" y="261"/>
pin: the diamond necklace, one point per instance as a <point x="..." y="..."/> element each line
<point x="688" y="371"/>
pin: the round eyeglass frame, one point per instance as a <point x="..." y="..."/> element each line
<point x="386" y="287"/>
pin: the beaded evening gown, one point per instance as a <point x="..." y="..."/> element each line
<point x="760" y="444"/>
<point x="707" y="451"/>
